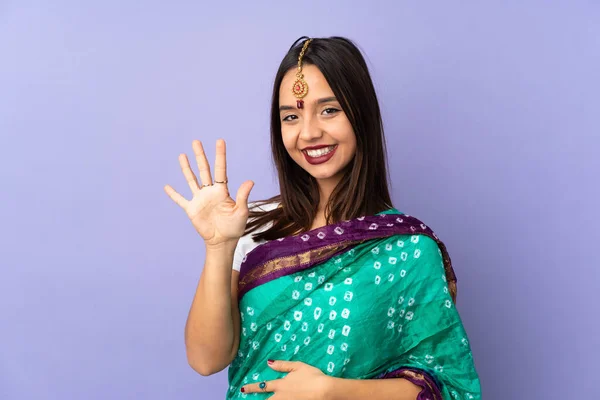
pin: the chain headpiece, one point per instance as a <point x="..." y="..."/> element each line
<point x="300" y="88"/>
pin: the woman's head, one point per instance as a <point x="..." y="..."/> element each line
<point x="340" y="109"/>
<point x="321" y="122"/>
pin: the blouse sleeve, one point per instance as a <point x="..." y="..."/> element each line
<point x="246" y="242"/>
<point x="239" y="254"/>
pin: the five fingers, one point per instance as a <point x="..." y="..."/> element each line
<point x="205" y="175"/>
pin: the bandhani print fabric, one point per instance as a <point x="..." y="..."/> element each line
<point x="370" y="298"/>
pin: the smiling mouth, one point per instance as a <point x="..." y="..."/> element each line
<point x="319" y="152"/>
<point x="319" y="156"/>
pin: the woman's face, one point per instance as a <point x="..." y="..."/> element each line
<point x="318" y="137"/>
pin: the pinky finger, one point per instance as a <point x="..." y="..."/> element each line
<point x="176" y="197"/>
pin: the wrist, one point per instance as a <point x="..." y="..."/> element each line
<point x="329" y="387"/>
<point x="227" y="246"/>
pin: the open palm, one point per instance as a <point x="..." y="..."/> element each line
<point x="214" y="214"/>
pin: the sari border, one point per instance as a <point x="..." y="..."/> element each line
<point x="299" y="252"/>
<point x="282" y="266"/>
<point x="418" y="377"/>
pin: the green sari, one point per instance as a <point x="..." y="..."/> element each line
<point x="370" y="298"/>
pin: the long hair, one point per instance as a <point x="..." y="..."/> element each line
<point x="363" y="189"/>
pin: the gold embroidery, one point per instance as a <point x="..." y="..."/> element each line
<point x="317" y="255"/>
<point x="421" y="379"/>
<point x="412" y="374"/>
<point x="296" y="260"/>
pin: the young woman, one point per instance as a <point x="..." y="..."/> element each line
<point x="333" y="294"/>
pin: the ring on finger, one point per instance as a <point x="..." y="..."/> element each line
<point x="225" y="181"/>
<point x="263" y="386"/>
<point x="206" y="185"/>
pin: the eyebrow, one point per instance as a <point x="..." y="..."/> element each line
<point x="320" y="101"/>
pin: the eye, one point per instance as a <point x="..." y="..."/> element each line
<point x="330" y="111"/>
<point x="289" y="118"/>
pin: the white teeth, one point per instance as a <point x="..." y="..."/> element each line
<point x="320" y="152"/>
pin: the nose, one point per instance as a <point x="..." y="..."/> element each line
<point x="310" y="129"/>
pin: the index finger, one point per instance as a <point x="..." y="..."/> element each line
<point x="221" y="162"/>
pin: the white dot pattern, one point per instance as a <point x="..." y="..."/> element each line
<point x="320" y="325"/>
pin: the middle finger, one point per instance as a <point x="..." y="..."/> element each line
<point x="221" y="162"/>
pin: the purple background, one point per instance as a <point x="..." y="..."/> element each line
<point x="492" y="118"/>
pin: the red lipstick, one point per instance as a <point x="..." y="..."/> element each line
<point x="320" y="159"/>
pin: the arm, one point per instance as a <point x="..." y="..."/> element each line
<point x="212" y="327"/>
<point x="371" y="389"/>
<point x="213" y="324"/>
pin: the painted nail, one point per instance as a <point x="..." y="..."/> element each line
<point x="270" y="362"/>
<point x="242" y="390"/>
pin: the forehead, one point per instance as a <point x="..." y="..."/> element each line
<point x="317" y="85"/>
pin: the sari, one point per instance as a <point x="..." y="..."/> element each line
<point x="370" y="298"/>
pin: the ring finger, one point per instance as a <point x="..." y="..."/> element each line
<point x="203" y="166"/>
<point x="188" y="174"/>
<point x="269" y="386"/>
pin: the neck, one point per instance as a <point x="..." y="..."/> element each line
<point x="326" y="187"/>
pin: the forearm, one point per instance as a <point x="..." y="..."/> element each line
<point x="372" y="389"/>
<point x="209" y="336"/>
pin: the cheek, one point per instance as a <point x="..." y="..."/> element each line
<point x="288" y="139"/>
<point x="353" y="143"/>
<point x="343" y="130"/>
<point x="347" y="135"/>
<point x="350" y="144"/>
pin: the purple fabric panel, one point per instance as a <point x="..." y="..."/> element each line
<point x="430" y="388"/>
<point x="279" y="274"/>
<point x="354" y="231"/>
<point x="361" y="228"/>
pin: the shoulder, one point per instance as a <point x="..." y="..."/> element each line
<point x="419" y="242"/>
<point x="420" y="249"/>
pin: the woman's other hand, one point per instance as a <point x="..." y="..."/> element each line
<point x="303" y="382"/>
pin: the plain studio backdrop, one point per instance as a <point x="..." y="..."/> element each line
<point x="491" y="113"/>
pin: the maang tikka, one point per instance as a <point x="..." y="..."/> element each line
<point x="300" y="88"/>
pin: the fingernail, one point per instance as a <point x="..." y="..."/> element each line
<point x="270" y="362"/>
<point x="242" y="390"/>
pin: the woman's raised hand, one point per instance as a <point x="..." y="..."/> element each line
<point x="214" y="214"/>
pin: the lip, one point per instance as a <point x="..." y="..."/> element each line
<point x="318" y="147"/>
<point x="319" y="160"/>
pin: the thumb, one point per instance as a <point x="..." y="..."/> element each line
<point x="241" y="199"/>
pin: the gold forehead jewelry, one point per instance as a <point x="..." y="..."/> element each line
<point x="300" y="88"/>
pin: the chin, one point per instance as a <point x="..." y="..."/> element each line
<point x="320" y="172"/>
<point x="325" y="174"/>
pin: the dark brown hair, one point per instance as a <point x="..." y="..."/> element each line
<point x="363" y="189"/>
